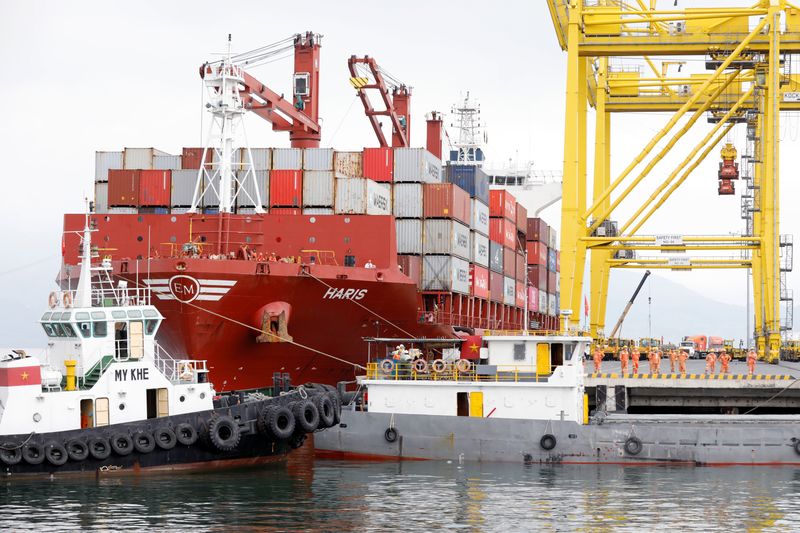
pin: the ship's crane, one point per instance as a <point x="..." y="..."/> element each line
<point x="366" y="74"/>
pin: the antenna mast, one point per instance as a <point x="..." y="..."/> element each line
<point x="467" y="122"/>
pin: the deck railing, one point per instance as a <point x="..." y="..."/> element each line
<point x="405" y="371"/>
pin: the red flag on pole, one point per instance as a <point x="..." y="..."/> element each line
<point x="585" y="306"/>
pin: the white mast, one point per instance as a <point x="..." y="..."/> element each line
<point x="223" y="81"/>
<point x="83" y="295"/>
<point x="468" y="125"/>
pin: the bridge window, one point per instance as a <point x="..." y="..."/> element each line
<point x="99" y="329"/>
<point x="118" y="314"/>
<point x="46" y="316"/>
<point x="150" y="326"/>
<point x="48" y="329"/>
<point x="85" y="328"/>
<point x="150" y="313"/>
<point x="68" y="331"/>
<point x="134" y="313"/>
<point x="56" y="316"/>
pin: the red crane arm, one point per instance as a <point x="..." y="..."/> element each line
<point x="400" y="136"/>
<point x="271" y="106"/>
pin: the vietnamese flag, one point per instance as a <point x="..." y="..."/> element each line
<point x="471" y="347"/>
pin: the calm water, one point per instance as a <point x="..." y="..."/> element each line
<point x="326" y="495"/>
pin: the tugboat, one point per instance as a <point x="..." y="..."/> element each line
<point x="522" y="399"/>
<point x="106" y="397"/>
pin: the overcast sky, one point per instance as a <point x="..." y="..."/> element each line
<point x="96" y="75"/>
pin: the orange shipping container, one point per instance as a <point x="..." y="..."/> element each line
<point x="522" y="219"/>
<point x="509" y="262"/>
<point x="480" y="281"/>
<point x="496" y="286"/>
<point x="379" y="164"/>
<point x="445" y="200"/>
<point x="537" y="253"/>
<point x="503" y="204"/>
<point x="286" y="188"/>
<point x="191" y="157"/>
<point x="123" y="188"/>
<point x="520" y="300"/>
<point x="503" y="231"/>
<point x="155" y="188"/>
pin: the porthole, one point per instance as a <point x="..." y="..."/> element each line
<point x="248" y="239"/>
<point x="140" y="238"/>
<point x="312" y="240"/>
<point x="122" y="407"/>
<point x="202" y="395"/>
<point x="173" y="219"/>
<point x="140" y="218"/>
<point x="182" y="398"/>
<point x="173" y="239"/>
<point x="37" y="417"/>
<point x="108" y="219"/>
<point x="346" y="220"/>
<point x="347" y="240"/>
<point x="312" y="220"/>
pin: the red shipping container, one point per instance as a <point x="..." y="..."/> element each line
<point x="471" y="347"/>
<point x="522" y="219"/>
<point x="537" y="276"/>
<point x="123" y="188"/>
<point x="502" y="231"/>
<point x="155" y="188"/>
<point x="520" y="299"/>
<point x="509" y="262"/>
<point x="537" y="253"/>
<point x="551" y="282"/>
<point x="558" y="261"/>
<point x="496" y="286"/>
<point x="285" y="211"/>
<point x="445" y="200"/>
<point x="411" y="266"/>
<point x="379" y="164"/>
<point x="191" y="157"/>
<point x="521" y="269"/>
<point x="480" y="281"/>
<point x="538" y="230"/>
<point x="533" y="299"/>
<point x="502" y="204"/>
<point x="286" y="188"/>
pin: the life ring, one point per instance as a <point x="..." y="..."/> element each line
<point x="77" y="450"/>
<point x="122" y="444"/>
<point x="420" y="366"/>
<point x="224" y="433"/>
<point x="548" y="441"/>
<point x="463" y="365"/>
<point x="281" y="423"/>
<point x="390" y="435"/>
<point x="185" y="434"/>
<point x="387" y="365"/>
<point x="67" y="299"/>
<point x="33" y="453"/>
<point x="185" y="371"/>
<point x="55" y="453"/>
<point x="99" y="448"/>
<point x="10" y="453"/>
<point x="165" y="438"/>
<point x="325" y="409"/>
<point x="633" y="446"/>
<point x="52" y="300"/>
<point x="143" y="442"/>
<point x="438" y="366"/>
<point x="306" y="414"/>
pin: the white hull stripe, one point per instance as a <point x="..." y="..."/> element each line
<point x="220" y="282"/>
<point x="202" y="297"/>
<point x="211" y="290"/>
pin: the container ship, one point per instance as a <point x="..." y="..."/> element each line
<point x="282" y="261"/>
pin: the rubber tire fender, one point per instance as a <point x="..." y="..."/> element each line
<point x="633" y="446"/>
<point x="55" y="453"/>
<point x="143" y="441"/>
<point x="306" y="414"/>
<point x="295" y="441"/>
<point x="548" y="441"/>
<point x="122" y="444"/>
<point x="325" y="408"/>
<point x="224" y="433"/>
<point x="337" y="407"/>
<point x="77" y="450"/>
<point x="185" y="434"/>
<point x="282" y="423"/>
<point x="390" y="435"/>
<point x="33" y="453"/>
<point x="262" y="422"/>
<point x="165" y="438"/>
<point x="99" y="448"/>
<point x="10" y="453"/>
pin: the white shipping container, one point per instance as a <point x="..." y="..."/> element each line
<point x="348" y="164"/>
<point x="416" y="165"/>
<point x="167" y="162"/>
<point x="543" y="302"/>
<point x="318" y="159"/>
<point x="551" y="304"/>
<point x="287" y="159"/>
<point x="479" y="249"/>
<point x="105" y="161"/>
<point x="246" y="210"/>
<point x="122" y="210"/>
<point x="362" y="196"/>
<point x="379" y="198"/>
<point x="407" y="200"/>
<point x="409" y="236"/>
<point x="249" y="183"/>
<point x="262" y="158"/>
<point x="445" y="236"/>
<point x="101" y="197"/>
<point x="318" y="188"/>
<point x="480" y="217"/>
<point x="509" y="291"/>
<point x="445" y="273"/>
<point x="318" y="211"/>
<point x="179" y="210"/>
<point x="184" y="183"/>
<point x="553" y="244"/>
<point x="140" y="158"/>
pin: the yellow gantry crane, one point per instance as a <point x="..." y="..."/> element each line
<point x="746" y="49"/>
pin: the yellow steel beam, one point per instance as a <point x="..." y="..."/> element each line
<point x="676" y="249"/>
<point x="680" y="267"/>
<point x="684" y="238"/>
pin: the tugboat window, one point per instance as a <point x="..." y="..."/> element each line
<point x="99" y="329"/>
<point x="57" y="330"/>
<point x="150" y="326"/>
<point x="48" y="329"/>
<point x="85" y="328"/>
<point x="68" y="330"/>
<point x="121" y="340"/>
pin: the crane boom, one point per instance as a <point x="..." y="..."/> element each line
<point x="629" y="305"/>
<point x="397" y="104"/>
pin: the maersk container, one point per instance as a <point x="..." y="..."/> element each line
<point x="318" y="188"/>
<point x="480" y="281"/>
<point x="287" y="158"/>
<point x="533" y="299"/>
<point x="348" y="164"/>
<point x="479" y="221"/>
<point x="378" y="164"/>
<point x="521" y="270"/>
<point x="416" y="165"/>
<point x="537" y="253"/>
<point x="184" y="183"/>
<point x="502" y="230"/>
<point x="211" y="194"/>
<point x="123" y="188"/>
<point x="442" y="236"/>
<point x="409" y="235"/>
<point x="537" y="276"/>
<point x="509" y="262"/>
<point x="318" y="211"/>
<point x="542" y="302"/>
<point x="140" y="158"/>
<point x="496" y="257"/>
<point x="166" y="162"/>
<point x="262" y="158"/>
<point x="496" y="286"/>
<point x="503" y="204"/>
<point x="155" y="187"/>
<point x="122" y="210"/>
<point x="521" y="295"/>
<point x="318" y="159"/>
<point x="445" y="200"/>
<point x="362" y="196"/>
<point x="445" y="273"/>
<point x="105" y="161"/>
<point x="522" y="219"/>
<point x="285" y="187"/>
<point x="101" y="197"/>
<point x="551" y="260"/>
<point x="538" y="231"/>
<point x="470" y="178"/>
<point x="407" y="200"/>
<point x="553" y="239"/>
<point x="480" y="249"/>
<point x="509" y="291"/>
<point x="151" y="210"/>
<point x="252" y="181"/>
<point x="192" y="158"/>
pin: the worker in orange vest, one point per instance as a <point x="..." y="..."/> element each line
<point x="623" y="360"/>
<point x="651" y="360"/>
<point x="725" y="360"/>
<point x="659" y="355"/>
<point x="635" y="359"/>
<point x="682" y="357"/>
<point x="598" y="358"/>
<point x="673" y="358"/>
<point x="752" y="356"/>
<point x="711" y="363"/>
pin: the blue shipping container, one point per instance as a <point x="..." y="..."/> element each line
<point x="211" y="210"/>
<point x="470" y="178"/>
<point x="551" y="260"/>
